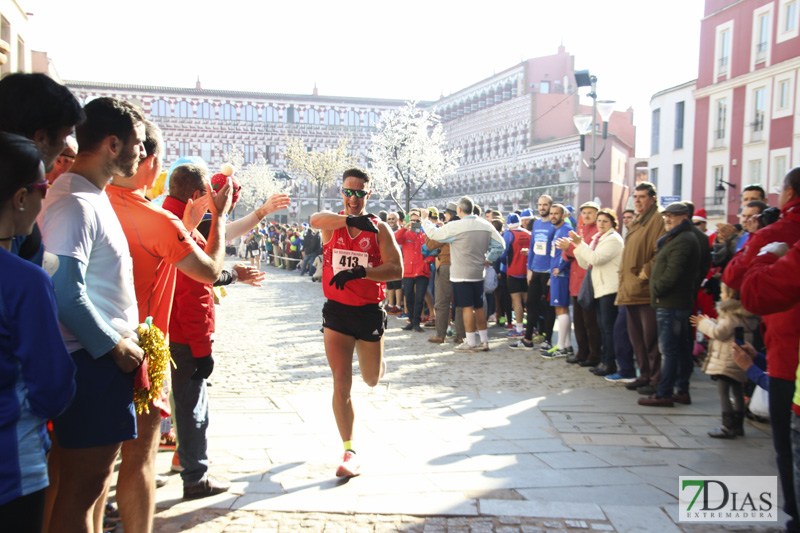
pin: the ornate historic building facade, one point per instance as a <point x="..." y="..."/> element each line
<point x="514" y="129"/>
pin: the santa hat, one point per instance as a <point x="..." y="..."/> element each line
<point x="527" y="214"/>
<point x="219" y="180"/>
<point x="513" y="220"/>
<point x="700" y="216"/>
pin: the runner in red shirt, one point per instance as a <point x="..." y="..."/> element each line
<point x="359" y="256"/>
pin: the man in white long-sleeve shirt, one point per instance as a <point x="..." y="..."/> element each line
<point x="474" y="243"/>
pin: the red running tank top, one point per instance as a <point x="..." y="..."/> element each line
<point x="343" y="252"/>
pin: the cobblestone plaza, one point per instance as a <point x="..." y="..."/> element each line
<point x="501" y="441"/>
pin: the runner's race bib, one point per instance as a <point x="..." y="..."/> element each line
<point x="347" y="259"/>
<point x="540" y="248"/>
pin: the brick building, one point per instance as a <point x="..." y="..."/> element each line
<point x="515" y="130"/>
<point x="747" y="125"/>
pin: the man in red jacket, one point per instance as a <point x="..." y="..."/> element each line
<point x="781" y="334"/>
<point x="416" y="271"/>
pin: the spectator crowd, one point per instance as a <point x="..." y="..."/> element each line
<point x="87" y="258"/>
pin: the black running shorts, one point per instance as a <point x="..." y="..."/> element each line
<point x="363" y="322"/>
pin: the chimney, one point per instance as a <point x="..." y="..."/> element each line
<point x="197" y="85"/>
<point x="316" y="92"/>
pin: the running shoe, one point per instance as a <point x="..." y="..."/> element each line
<point x="501" y="321"/>
<point x="521" y="344"/>
<point x="552" y="353"/>
<point x="402" y="315"/>
<point x="349" y="466"/>
<point x="509" y="326"/>
<point x="451" y="332"/>
<point x="514" y="334"/>
<point x="482" y="347"/>
<point x="430" y="324"/>
<point x="544" y="345"/>
<point x="392" y="310"/>
<point x="539" y="339"/>
<point x="618" y="378"/>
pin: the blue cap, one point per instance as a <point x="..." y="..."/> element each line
<point x="305" y="224"/>
<point x="512" y="220"/>
<point x="571" y="209"/>
<point x="527" y="214"/>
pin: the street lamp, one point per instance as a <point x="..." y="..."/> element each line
<point x="586" y="124"/>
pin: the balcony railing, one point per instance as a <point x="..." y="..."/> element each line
<point x="715" y="206"/>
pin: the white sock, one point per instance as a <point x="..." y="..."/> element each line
<point x="471" y="340"/>
<point x="484" y="333"/>
<point x="520" y="327"/>
<point x="564" y="336"/>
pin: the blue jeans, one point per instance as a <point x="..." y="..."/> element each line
<point x="786" y="440"/>
<point x="606" y="317"/>
<point x="414" y="293"/>
<point x="674" y="343"/>
<point x="622" y="344"/>
<point x="191" y="415"/>
<point x="308" y="264"/>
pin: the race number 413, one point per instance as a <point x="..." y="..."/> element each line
<point x="347" y="259"/>
<point x="728" y="499"/>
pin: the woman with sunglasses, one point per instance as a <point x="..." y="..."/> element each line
<point x="36" y="372"/>
<point x="359" y="256"/>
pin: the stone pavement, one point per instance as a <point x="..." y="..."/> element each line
<point x="503" y="441"/>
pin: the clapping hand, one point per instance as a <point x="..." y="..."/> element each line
<point x="694" y="320"/>
<point x="575" y="238"/>
<point x="562" y="243"/>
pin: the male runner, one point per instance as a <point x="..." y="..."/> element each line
<point x="359" y="255"/>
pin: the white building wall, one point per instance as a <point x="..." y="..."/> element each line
<point x="668" y="156"/>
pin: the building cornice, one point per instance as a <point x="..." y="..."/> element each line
<point x="750" y="77"/>
<point x="729" y="6"/>
<point x="212" y="93"/>
<point x="674" y="89"/>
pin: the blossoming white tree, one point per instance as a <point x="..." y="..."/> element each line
<point x="408" y="153"/>
<point x="322" y="167"/>
<point x="257" y="179"/>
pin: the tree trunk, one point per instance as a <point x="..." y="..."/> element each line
<point x="319" y="197"/>
<point x="408" y="196"/>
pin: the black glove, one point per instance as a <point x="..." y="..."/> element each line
<point x="362" y="222"/>
<point x="346" y="275"/>
<point x="205" y="366"/>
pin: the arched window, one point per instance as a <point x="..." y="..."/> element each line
<point x="353" y="118"/>
<point x="249" y="113"/>
<point x="332" y="117"/>
<point x="270" y="114"/>
<point x="159" y="108"/>
<point x="373" y="119"/>
<point x="291" y="115"/>
<point x="183" y="110"/>
<point x="206" y="111"/>
<point x="311" y="116"/>
<point x="227" y="112"/>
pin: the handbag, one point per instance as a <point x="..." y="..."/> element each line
<point x="586" y="292"/>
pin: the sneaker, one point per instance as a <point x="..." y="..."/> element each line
<point x="539" y="339"/>
<point x="521" y="344"/>
<point x="402" y="315"/>
<point x="492" y="318"/>
<point x="545" y="346"/>
<point x="418" y="329"/>
<point x="161" y="480"/>
<point x="552" y="353"/>
<point x="483" y="347"/>
<point x="501" y="321"/>
<point x="636" y="383"/>
<point x="618" y="378"/>
<point x="514" y="334"/>
<point x="431" y="324"/>
<point x="176" y="463"/>
<point x="466" y="347"/>
<point x="168" y="440"/>
<point x="349" y="467"/>
<point x="450" y="332"/>
<point x="208" y="487"/>
<point x="392" y="310"/>
<point x="510" y="326"/>
<point x="407" y="327"/>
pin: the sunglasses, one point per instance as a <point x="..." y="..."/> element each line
<point x="698" y="223"/>
<point x="358" y="193"/>
<point x="42" y="186"/>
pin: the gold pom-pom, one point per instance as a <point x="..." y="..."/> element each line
<point x="156" y="349"/>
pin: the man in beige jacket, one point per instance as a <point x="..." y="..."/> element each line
<point x="638" y="258"/>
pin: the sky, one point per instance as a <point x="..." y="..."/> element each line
<point x="412" y="50"/>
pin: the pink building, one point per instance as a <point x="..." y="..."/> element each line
<point x="747" y="128"/>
